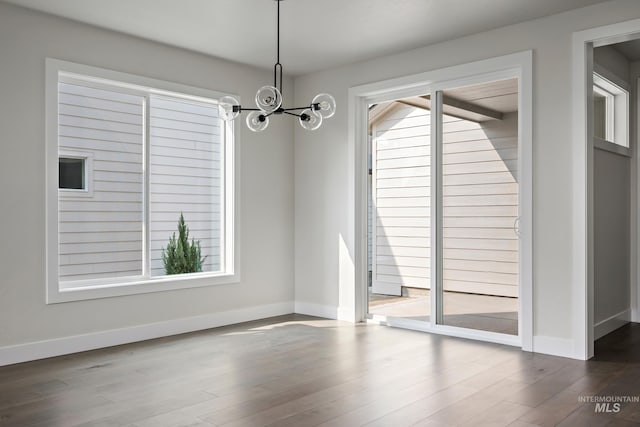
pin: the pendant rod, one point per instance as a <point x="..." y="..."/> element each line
<point x="277" y="68"/>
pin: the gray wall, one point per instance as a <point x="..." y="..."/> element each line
<point x="634" y="75"/>
<point x="266" y="213"/>
<point x="612" y="178"/>
<point x="615" y="62"/>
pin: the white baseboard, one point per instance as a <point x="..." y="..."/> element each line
<point x="77" y="343"/>
<point x="554" y="346"/>
<point x="347" y="314"/>
<point x="317" y="310"/>
<point x="610" y="324"/>
<point x="73" y="344"/>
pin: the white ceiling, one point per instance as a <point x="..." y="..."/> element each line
<point x="315" y="34"/>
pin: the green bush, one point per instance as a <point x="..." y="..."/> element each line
<point x="180" y="256"/>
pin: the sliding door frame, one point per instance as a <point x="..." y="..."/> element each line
<point x="517" y="65"/>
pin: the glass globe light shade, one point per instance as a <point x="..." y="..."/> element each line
<point x="326" y="104"/>
<point x="268" y="99"/>
<point x="257" y="121"/>
<point x="310" y="119"/>
<point x="225" y="107"/>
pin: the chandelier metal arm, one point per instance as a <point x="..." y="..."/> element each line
<point x="315" y="107"/>
<point x="240" y="109"/>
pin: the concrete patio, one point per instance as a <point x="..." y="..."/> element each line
<point x="483" y="312"/>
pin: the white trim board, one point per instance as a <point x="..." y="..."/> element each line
<point x="563" y="347"/>
<point x="317" y="310"/>
<point x="610" y="324"/>
<point x="450" y="331"/>
<point x="77" y="343"/>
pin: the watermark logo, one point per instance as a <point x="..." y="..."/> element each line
<point x="608" y="407"/>
<point x="608" y="404"/>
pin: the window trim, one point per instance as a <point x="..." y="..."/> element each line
<point x="612" y="147"/>
<point x="617" y="92"/>
<point x="93" y="289"/>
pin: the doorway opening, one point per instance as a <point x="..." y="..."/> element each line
<point x="605" y="190"/>
<point x="616" y="70"/>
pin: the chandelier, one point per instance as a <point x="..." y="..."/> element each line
<point x="269" y="102"/>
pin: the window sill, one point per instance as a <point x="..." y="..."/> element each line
<point x="612" y="147"/>
<point x="88" y="290"/>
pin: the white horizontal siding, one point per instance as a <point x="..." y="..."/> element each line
<point x="83" y="237"/>
<point x="480" y="195"/>
<point x="405" y="231"/>
<point x="185" y="177"/>
<point x="480" y="203"/>
<point x="408" y="261"/>
<point x="81" y="250"/>
<point x="108" y="269"/>
<point x="401" y="199"/>
<point x="101" y="236"/>
<point x="90" y="227"/>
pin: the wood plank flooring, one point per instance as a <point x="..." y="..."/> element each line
<point x="303" y="371"/>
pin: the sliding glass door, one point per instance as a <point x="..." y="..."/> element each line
<point x="443" y="211"/>
<point x="479" y="207"/>
<point x="399" y="212"/>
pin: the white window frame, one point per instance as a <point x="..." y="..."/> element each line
<point x="87" y="191"/>
<point x="616" y="93"/>
<point x="101" y="288"/>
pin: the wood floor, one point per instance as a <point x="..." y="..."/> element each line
<point x="303" y="371"/>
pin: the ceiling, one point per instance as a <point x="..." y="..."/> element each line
<point x="477" y="103"/>
<point x="499" y="96"/>
<point x="316" y="34"/>
<point x="630" y="49"/>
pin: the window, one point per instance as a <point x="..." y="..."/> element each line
<point x="71" y="174"/>
<point x="75" y="174"/>
<point x="610" y="112"/>
<point x="147" y="155"/>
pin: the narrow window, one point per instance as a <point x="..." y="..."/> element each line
<point x="610" y="111"/>
<point x="71" y="174"/>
